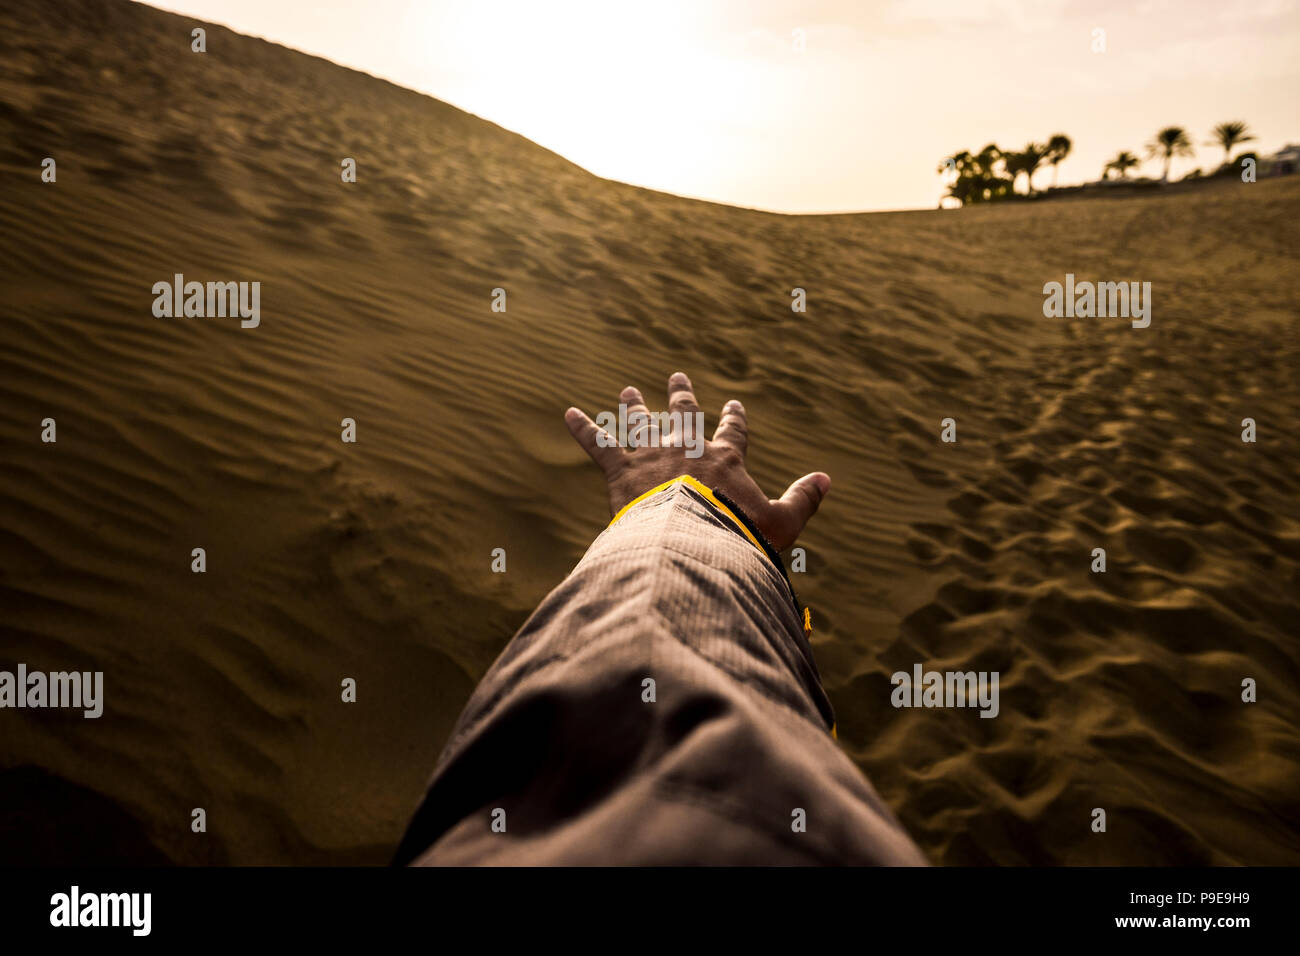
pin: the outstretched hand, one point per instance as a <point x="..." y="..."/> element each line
<point x="654" y="457"/>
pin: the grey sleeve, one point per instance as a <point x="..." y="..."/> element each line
<point x="661" y="706"/>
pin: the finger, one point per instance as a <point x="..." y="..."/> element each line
<point x="638" y="416"/>
<point x="733" y="427"/>
<point x="800" y="502"/>
<point x="681" y="396"/>
<point x="599" y="444"/>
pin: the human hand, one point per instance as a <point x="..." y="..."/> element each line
<point x="658" y="454"/>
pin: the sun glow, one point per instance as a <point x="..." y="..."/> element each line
<point x="803" y="106"/>
<point x="622" y="90"/>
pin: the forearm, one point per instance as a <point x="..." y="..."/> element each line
<point x="660" y="706"/>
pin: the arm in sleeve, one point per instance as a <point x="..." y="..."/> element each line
<point x="661" y="706"/>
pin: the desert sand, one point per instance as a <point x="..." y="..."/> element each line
<point x="372" y="560"/>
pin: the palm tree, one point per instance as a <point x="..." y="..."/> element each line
<point x="1229" y="135"/>
<point x="1030" y="157"/>
<point x="1122" y="163"/>
<point x="955" y="163"/>
<point x="992" y="182"/>
<point x="1058" y="147"/>
<point x="956" y="170"/>
<point x="978" y="177"/>
<point x="1170" y="142"/>
<point x="1026" y="161"/>
<point x="1013" y="164"/>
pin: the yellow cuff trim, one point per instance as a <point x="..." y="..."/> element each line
<point x="696" y="485"/>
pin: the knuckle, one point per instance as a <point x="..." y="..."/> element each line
<point x="729" y="455"/>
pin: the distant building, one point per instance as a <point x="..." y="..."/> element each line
<point x="1285" y="161"/>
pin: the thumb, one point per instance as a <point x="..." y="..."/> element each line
<point x="801" y="500"/>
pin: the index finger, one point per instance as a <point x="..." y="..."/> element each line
<point x="640" y="426"/>
<point x="681" y="395"/>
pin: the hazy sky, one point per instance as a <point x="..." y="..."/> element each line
<point x="715" y="99"/>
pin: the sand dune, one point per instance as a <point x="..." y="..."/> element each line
<point x="372" y="560"/>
